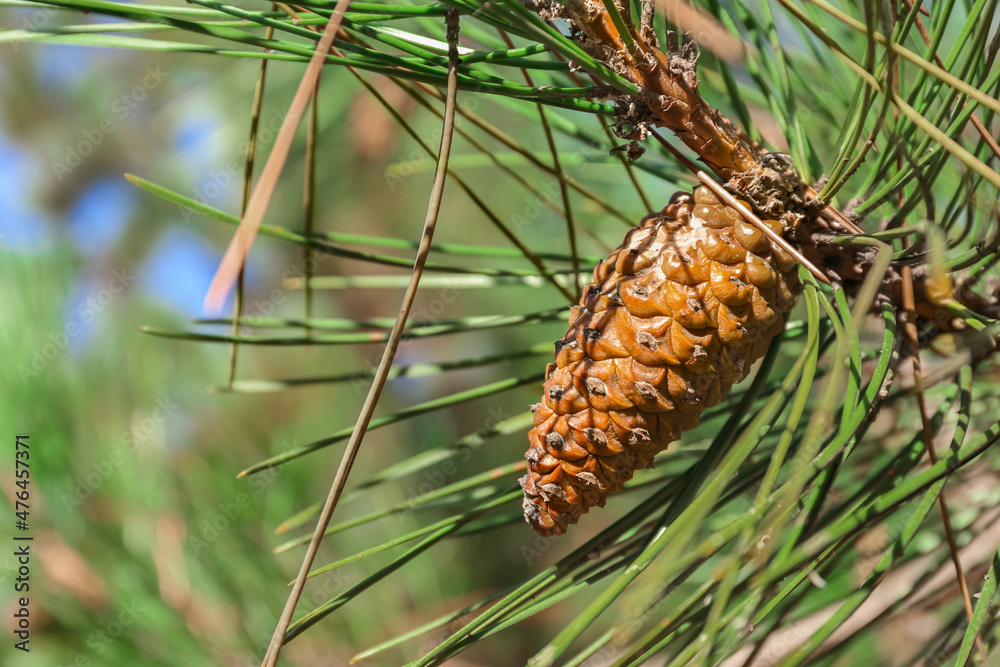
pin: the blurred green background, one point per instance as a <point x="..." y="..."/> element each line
<point x="148" y="549"/>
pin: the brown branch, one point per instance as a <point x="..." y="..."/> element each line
<point x="388" y="355"/>
<point x="670" y="91"/>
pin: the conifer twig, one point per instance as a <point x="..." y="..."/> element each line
<point x="388" y="355"/>
<point x="910" y="329"/>
<point x="309" y="200"/>
<point x="909" y="304"/>
<point x="673" y="96"/>
<point x="974" y="118"/>
<point x="560" y="176"/>
<point x="251" y="154"/>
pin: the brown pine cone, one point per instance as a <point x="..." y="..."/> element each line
<point x="674" y="317"/>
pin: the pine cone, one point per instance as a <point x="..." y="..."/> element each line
<point x="674" y="317"/>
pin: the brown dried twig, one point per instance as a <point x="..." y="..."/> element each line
<point x="382" y="373"/>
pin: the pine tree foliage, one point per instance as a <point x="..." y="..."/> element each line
<point x="866" y="130"/>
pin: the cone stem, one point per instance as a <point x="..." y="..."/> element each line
<point x="672" y="90"/>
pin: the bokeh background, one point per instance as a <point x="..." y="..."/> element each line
<point x="148" y="550"/>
